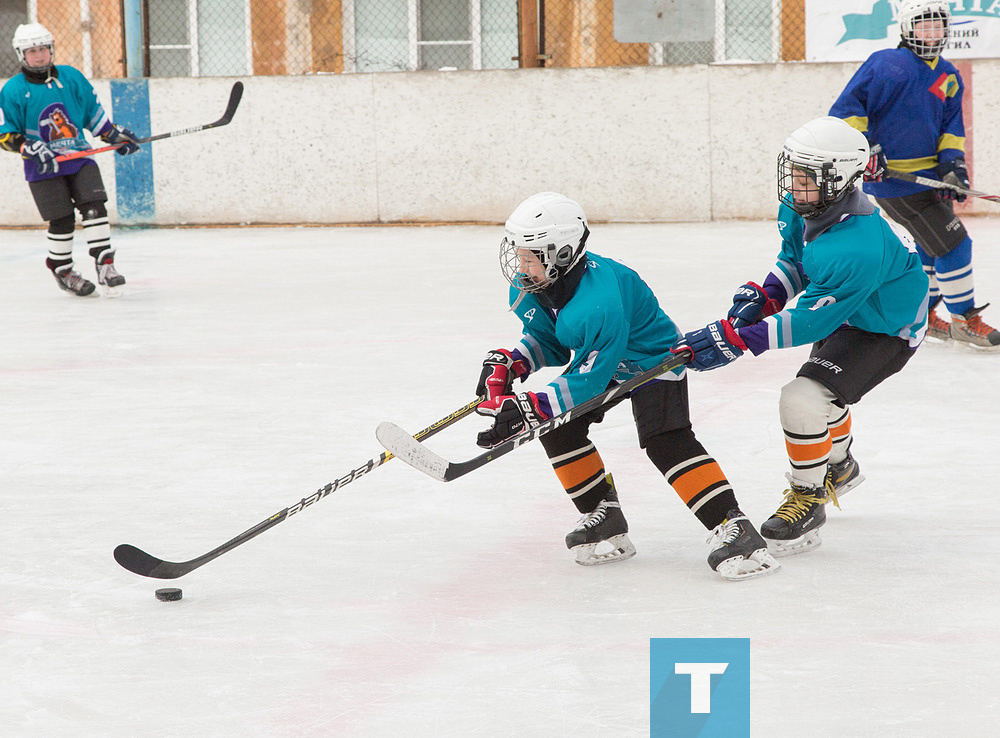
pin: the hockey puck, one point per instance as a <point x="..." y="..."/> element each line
<point x="169" y="594"/>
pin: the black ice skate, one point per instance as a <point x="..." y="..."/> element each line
<point x="842" y="477"/>
<point x="71" y="281"/>
<point x="108" y="277"/>
<point x="605" y="524"/>
<point x="738" y="550"/>
<point x="794" y="527"/>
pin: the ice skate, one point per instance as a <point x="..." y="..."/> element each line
<point x="604" y="527"/>
<point x="937" y="327"/>
<point x="108" y="278"/>
<point x="738" y="550"/>
<point x="843" y="476"/>
<point x="794" y="527"/>
<point x="970" y="329"/>
<point x="71" y="281"/>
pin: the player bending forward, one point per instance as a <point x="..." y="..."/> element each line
<point x="571" y="302"/>
<point x="43" y="111"/>
<point x="863" y="306"/>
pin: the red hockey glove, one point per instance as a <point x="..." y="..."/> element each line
<point x="500" y="369"/>
<point x="877" y="163"/>
<point x="513" y="414"/>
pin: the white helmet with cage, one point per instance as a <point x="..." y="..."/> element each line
<point x="819" y="164"/>
<point x="29" y="36"/>
<point x="554" y="229"/>
<point x="912" y="12"/>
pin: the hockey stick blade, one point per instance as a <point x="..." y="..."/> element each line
<point x="939" y="185"/>
<point x="409" y="449"/>
<point x="139" y="562"/>
<point x="235" y="95"/>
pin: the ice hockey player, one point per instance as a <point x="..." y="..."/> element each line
<point x="600" y="318"/>
<point x="862" y="304"/>
<point x="43" y="111"/>
<point x="908" y="103"/>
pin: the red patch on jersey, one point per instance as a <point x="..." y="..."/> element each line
<point x="940" y="87"/>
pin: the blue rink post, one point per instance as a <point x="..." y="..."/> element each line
<point x="135" y="197"/>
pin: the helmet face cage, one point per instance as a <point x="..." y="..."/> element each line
<point x="929" y="10"/>
<point x="555" y="258"/>
<point x="831" y="185"/>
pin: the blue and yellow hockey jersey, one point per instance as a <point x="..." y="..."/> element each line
<point x="910" y="106"/>
<point x="611" y="329"/>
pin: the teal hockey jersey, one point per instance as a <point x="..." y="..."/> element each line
<point x="610" y="330"/>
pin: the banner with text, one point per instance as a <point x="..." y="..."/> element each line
<point x="851" y="30"/>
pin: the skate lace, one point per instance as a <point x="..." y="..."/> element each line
<point x="596" y="516"/>
<point x="977" y="327"/>
<point x="797" y="503"/>
<point x="725" y="533"/>
<point x="71" y="279"/>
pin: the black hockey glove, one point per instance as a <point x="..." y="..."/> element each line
<point x="953" y="172"/>
<point x="500" y="369"/>
<point x="513" y="414"/>
<point x="119" y="135"/>
<point x="43" y="157"/>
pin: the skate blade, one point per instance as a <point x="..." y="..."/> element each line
<point x="757" y="564"/>
<point x="807" y="542"/>
<point x="621" y="549"/>
<point x="107" y="291"/>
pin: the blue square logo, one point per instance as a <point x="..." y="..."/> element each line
<point x="699" y="687"/>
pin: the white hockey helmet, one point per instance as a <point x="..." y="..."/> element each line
<point x="28" y="36"/>
<point x="912" y="11"/>
<point x="554" y="228"/>
<point x="831" y="153"/>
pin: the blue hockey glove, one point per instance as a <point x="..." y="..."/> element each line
<point x="877" y="164"/>
<point x="500" y="369"/>
<point x="43" y="157"/>
<point x="513" y="414"/>
<point x="715" y="345"/>
<point x="119" y="135"/>
<point x="953" y="172"/>
<point x="750" y="304"/>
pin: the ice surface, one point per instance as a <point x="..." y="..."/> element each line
<point x="245" y="368"/>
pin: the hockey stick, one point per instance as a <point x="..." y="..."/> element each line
<point x="234" y="100"/>
<point x="144" y="564"/>
<point x="939" y="185"/>
<point x="409" y="449"/>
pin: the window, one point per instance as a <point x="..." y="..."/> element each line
<point x="12" y="14"/>
<point x="198" y="38"/>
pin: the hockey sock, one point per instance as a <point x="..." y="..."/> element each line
<point x="805" y="408"/>
<point x="97" y="232"/>
<point x="578" y="466"/>
<point x="60" y="237"/>
<point x="695" y="476"/>
<point x="928" y="261"/>
<point x="954" y="278"/>
<point x="840" y="434"/>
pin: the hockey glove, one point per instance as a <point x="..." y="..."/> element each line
<point x="513" y="414"/>
<point x="500" y="369"/>
<point x="715" y="345"/>
<point x="41" y="155"/>
<point x="119" y="135"/>
<point x="750" y="304"/>
<point x="954" y="173"/>
<point x="877" y="164"/>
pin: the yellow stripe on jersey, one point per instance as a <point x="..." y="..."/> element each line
<point x="858" y="121"/>
<point x="913" y="165"/>
<point x="948" y="141"/>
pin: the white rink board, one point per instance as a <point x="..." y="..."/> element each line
<point x="245" y="368"/>
<point x="693" y="143"/>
